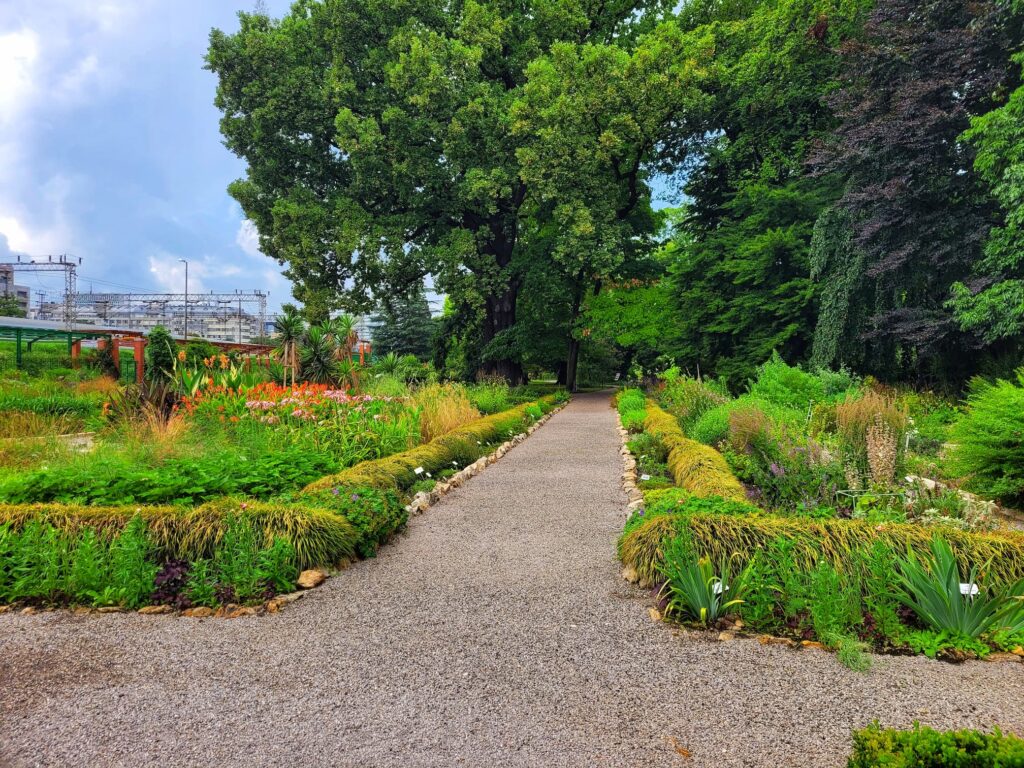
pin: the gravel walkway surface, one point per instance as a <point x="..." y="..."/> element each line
<point x="496" y="632"/>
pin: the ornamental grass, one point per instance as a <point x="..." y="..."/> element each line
<point x="459" y="447"/>
<point x="319" y="536"/>
<point x="999" y="553"/>
<point x="696" y="467"/>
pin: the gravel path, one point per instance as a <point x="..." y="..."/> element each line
<point x="496" y="632"/>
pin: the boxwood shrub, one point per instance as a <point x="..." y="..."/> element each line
<point x="922" y="747"/>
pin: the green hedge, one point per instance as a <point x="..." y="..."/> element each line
<point x="923" y="748"/>
<point x="829" y="540"/>
<point x="458" y="448"/>
<point x="696" y="467"/>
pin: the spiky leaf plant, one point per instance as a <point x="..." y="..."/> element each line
<point x="930" y="587"/>
<point x="698" y="590"/>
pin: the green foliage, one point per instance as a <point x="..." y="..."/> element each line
<point x="786" y="385"/>
<point x="697" y="589"/>
<point x="835" y="614"/>
<point x="260" y="471"/>
<point x="688" y="399"/>
<point x="490" y="396"/>
<point x="930" y="586"/>
<point x="404" y="327"/>
<point x="997" y="310"/>
<point x="875" y="746"/>
<point x="463" y="446"/>
<point x="633" y="421"/>
<point x="40" y="563"/>
<point x="161" y="352"/>
<point x="9" y="307"/>
<point x="989" y="438"/>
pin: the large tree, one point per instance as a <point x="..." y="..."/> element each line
<point x="404" y="326"/>
<point x="741" y="273"/>
<point x="991" y="302"/>
<point x="913" y="217"/>
<point x="383" y="139"/>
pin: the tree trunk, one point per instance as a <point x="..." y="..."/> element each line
<point x="573" y="356"/>
<point x="571" y="363"/>
<point x="500" y="316"/>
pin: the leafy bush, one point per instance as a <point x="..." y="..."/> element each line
<point x="376" y="515"/>
<point x="161" y="352"/>
<point x="786" y="385"/>
<point x="921" y="747"/>
<point x="989" y="439"/>
<point x="490" y="396"/>
<point x="630" y="400"/>
<point x="688" y="399"/>
<point x="633" y="421"/>
<point x="712" y="428"/>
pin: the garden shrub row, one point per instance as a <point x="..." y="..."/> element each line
<point x="57" y="553"/>
<point x="834" y="540"/>
<point x="920" y="747"/>
<point x="696" y="467"/>
<point x="319" y="535"/>
<point x="458" y="448"/>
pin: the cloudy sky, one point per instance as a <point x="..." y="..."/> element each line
<point x="110" y="151"/>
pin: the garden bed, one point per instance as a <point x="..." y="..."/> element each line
<point x="233" y="555"/>
<point x="778" y="557"/>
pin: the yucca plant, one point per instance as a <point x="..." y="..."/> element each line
<point x="318" y="363"/>
<point x="698" y="590"/>
<point x="930" y="587"/>
<point x="288" y="329"/>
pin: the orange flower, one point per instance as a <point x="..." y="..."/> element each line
<point x="181" y="356"/>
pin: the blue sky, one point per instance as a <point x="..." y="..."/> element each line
<point x="110" y="151"/>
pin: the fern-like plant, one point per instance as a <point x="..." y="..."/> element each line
<point x="989" y="439"/>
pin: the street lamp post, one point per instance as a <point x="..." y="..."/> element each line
<point x="185" y="262"/>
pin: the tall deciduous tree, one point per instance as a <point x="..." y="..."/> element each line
<point x="914" y="212"/>
<point x="380" y="144"/>
<point x="991" y="303"/>
<point x="741" y="276"/>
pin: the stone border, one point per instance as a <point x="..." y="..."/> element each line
<point x="424" y="500"/>
<point x="629" y="475"/>
<point x="314" y="577"/>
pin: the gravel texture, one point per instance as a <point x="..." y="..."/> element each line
<point x="495" y="632"/>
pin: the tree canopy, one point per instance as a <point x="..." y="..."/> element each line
<point x="848" y="173"/>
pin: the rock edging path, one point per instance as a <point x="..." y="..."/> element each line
<point x="495" y="632"/>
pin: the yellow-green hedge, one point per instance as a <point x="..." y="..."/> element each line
<point x="461" y="446"/>
<point x="832" y="540"/>
<point x="320" y="536"/>
<point x="696" y="467"/>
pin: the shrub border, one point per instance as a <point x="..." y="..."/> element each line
<point x="164" y="521"/>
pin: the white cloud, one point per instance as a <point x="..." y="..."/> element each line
<point x="169" y="273"/>
<point x="248" y="238"/>
<point x="19" y="55"/>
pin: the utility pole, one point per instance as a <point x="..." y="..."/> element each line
<point x="185" y="262"/>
